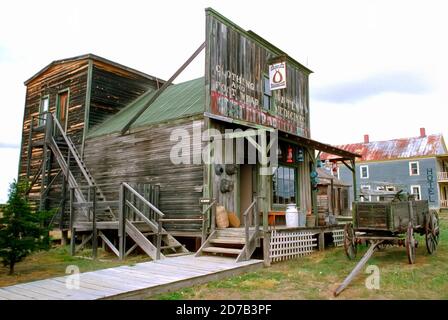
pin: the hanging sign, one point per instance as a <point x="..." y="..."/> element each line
<point x="277" y="76"/>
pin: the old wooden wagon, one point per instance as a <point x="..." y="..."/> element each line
<point x="389" y="223"/>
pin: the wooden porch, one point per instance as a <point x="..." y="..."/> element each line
<point x="132" y="282"/>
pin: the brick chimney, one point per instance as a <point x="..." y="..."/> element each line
<point x="366" y="138"/>
<point x="422" y="132"/>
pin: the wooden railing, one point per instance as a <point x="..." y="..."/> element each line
<point x="444" y="203"/>
<point x="126" y="207"/>
<point x="442" y="176"/>
<point x="250" y="240"/>
<point x="91" y="206"/>
<point x="205" y="218"/>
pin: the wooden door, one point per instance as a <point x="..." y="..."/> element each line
<point x="62" y="109"/>
<point x="246" y="187"/>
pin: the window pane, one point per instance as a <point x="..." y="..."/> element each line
<point x="44" y="105"/>
<point x="266" y="87"/>
<point x="266" y="102"/>
<point x="284" y="188"/>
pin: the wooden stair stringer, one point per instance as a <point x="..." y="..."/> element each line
<point x="142" y="241"/>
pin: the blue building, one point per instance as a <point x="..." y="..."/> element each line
<point x="417" y="165"/>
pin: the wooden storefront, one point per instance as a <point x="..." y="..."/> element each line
<point x="124" y="129"/>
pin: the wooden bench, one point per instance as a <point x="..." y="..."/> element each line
<point x="273" y="216"/>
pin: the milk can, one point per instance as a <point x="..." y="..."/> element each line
<point x="292" y="216"/>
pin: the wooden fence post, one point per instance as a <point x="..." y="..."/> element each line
<point x="121" y="223"/>
<point x="94" y="230"/>
<point x="72" y="223"/>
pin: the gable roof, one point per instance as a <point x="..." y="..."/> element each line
<point x="177" y="101"/>
<point x="430" y="145"/>
<point x="92" y="57"/>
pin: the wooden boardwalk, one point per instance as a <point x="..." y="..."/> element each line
<point x="132" y="282"/>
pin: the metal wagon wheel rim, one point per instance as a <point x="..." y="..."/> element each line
<point x="431" y="233"/>
<point x="410" y="244"/>
<point x="350" y="241"/>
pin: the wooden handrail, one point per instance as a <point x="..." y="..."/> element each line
<point x="442" y="176"/>
<point x="156" y="224"/>
<point x="146" y="202"/>
<point x="204" y="220"/>
<point x="246" y="226"/>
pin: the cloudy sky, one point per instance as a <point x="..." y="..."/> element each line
<point x="380" y="67"/>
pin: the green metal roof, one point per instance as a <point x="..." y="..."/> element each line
<point x="177" y="101"/>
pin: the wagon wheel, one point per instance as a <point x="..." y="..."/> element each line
<point x="410" y="244"/>
<point x="431" y="232"/>
<point x="350" y="241"/>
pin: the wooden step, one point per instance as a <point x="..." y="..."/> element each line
<point x="222" y="250"/>
<point x="177" y="254"/>
<point x="171" y="247"/>
<point x="181" y="220"/>
<point x="228" y="240"/>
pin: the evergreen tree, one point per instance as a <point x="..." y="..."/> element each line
<point x="22" y="231"/>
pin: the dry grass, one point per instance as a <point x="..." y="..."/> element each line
<point x="316" y="277"/>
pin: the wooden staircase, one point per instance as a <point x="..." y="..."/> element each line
<point x="229" y="242"/>
<point x="89" y="204"/>
<point x="239" y="243"/>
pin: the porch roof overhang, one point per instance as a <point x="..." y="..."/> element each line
<point x="314" y="144"/>
<point x="306" y="142"/>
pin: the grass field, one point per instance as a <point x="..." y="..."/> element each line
<point x="53" y="263"/>
<point x="316" y="276"/>
<point x="311" y="277"/>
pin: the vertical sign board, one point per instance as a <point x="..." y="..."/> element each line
<point x="277" y="76"/>
<point x="238" y="63"/>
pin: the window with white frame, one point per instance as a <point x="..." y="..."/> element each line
<point x="44" y="103"/>
<point x="414" y="168"/>
<point x="365" y="197"/>
<point x="364" y="171"/>
<point x="416" y="191"/>
<point x="384" y="188"/>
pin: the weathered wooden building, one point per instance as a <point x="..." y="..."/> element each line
<point x="155" y="158"/>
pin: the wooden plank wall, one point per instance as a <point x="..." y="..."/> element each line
<point x="114" y="88"/>
<point x="236" y="63"/>
<point x="144" y="156"/>
<point x="71" y="75"/>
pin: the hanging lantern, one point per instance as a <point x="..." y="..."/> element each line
<point x="289" y="156"/>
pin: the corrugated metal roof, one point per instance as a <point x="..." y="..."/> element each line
<point x="177" y="101"/>
<point x="429" y="145"/>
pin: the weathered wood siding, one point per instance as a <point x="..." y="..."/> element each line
<point x="236" y="63"/>
<point x="71" y="76"/>
<point x="114" y="88"/>
<point x="144" y="156"/>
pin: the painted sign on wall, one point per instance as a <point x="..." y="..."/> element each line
<point x="238" y="72"/>
<point x="277" y="76"/>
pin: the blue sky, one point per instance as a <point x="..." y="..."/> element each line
<point x="380" y="67"/>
